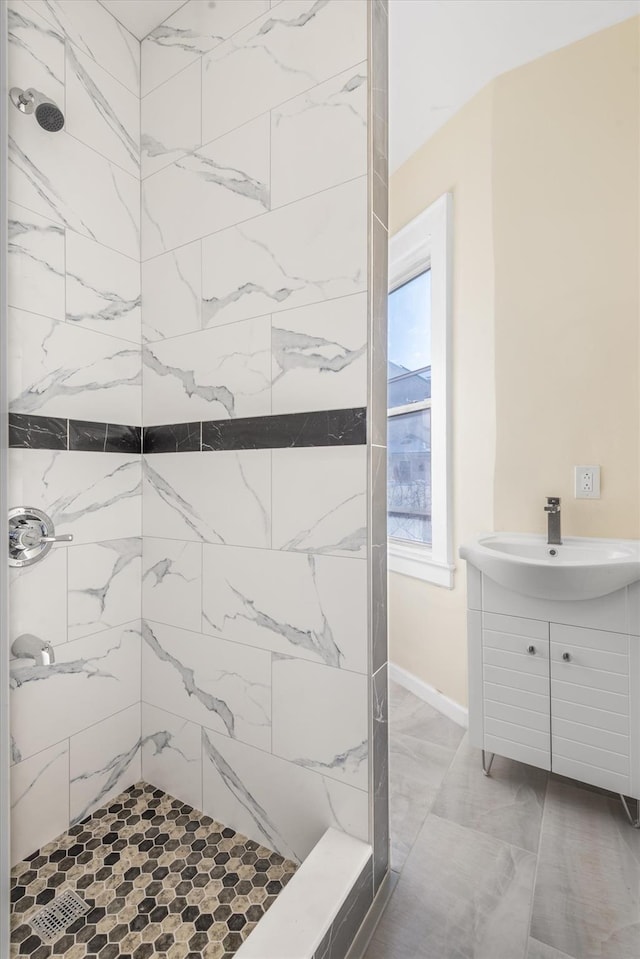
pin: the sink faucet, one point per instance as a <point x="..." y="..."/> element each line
<point x="553" y="521"/>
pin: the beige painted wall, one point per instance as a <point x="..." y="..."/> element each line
<point x="427" y="623"/>
<point x="544" y="167"/>
<point x="565" y="219"/>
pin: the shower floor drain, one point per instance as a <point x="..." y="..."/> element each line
<point x="52" y="921"/>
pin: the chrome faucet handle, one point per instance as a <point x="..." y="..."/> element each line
<point x="553" y="504"/>
<point x="31" y="535"/>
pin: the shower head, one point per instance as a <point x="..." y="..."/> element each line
<point x="48" y="114"/>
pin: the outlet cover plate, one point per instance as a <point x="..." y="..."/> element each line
<point x="587" y="482"/>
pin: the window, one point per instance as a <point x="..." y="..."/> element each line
<point x="419" y="520"/>
<point x="409" y="436"/>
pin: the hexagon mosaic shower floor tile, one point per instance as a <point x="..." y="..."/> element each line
<point x="160" y="879"/>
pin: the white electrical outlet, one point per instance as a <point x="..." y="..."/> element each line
<point x="587" y="482"/>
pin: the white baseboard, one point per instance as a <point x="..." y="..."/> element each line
<point x="448" y="707"/>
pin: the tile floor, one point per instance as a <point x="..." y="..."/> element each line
<point x="162" y="879"/>
<point x="521" y="865"/>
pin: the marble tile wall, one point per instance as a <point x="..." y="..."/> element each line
<point x="75" y="356"/>
<point x="257" y="310"/>
<point x="257" y="558"/>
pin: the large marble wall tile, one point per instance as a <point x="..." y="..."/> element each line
<point x="172" y="293"/>
<point x="38" y="598"/>
<point x="215" y="374"/>
<point x="283" y="53"/>
<point x="103" y="289"/>
<point x="221" y="184"/>
<point x="170" y="120"/>
<point x="311" y="607"/>
<point x="97" y="33"/>
<point x="320" y="500"/>
<point x="35" y="53"/>
<point x="102" y="112"/>
<point x="194" y="29"/>
<point x="225" y="686"/>
<point x="188" y="496"/>
<point x="172" y="582"/>
<point x="91" y="679"/>
<point x="320" y="356"/>
<point x="36" y="263"/>
<point x="90" y="495"/>
<point x="56" y="370"/>
<point x="39" y="800"/>
<point x="104" y="760"/>
<point x="103" y="202"/>
<point x="312" y="250"/>
<point x="104" y="585"/>
<point x="305" y="132"/>
<point x="587" y="895"/>
<point x="460" y="894"/>
<point x="320" y="719"/>
<point x="274" y="801"/>
<point x="172" y="754"/>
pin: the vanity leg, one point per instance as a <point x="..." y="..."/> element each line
<point x="486" y="767"/>
<point x="634" y="822"/>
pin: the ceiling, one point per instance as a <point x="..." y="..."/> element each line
<point x="442" y="52"/>
<point x="140" y="17"/>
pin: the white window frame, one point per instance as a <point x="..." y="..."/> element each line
<point x="425" y="243"/>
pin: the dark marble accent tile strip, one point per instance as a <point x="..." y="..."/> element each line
<point x="174" y="438"/>
<point x="37" y="432"/>
<point x="104" y="437"/>
<point x="320" y="428"/>
<point x="55" y="433"/>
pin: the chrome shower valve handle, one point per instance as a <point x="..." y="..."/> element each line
<point x="31" y="535"/>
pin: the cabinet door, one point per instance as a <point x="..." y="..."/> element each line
<point x="515" y="676"/>
<point x="590" y="706"/>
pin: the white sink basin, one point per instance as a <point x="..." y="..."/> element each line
<point x="578" y="569"/>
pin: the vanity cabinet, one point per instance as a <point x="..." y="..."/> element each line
<point x="547" y="689"/>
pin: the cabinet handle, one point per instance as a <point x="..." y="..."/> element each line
<point x="531" y="650"/>
<point x="566" y="657"/>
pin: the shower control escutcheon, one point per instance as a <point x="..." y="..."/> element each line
<point x="31" y="535"/>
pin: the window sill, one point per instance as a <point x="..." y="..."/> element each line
<point x="416" y="560"/>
